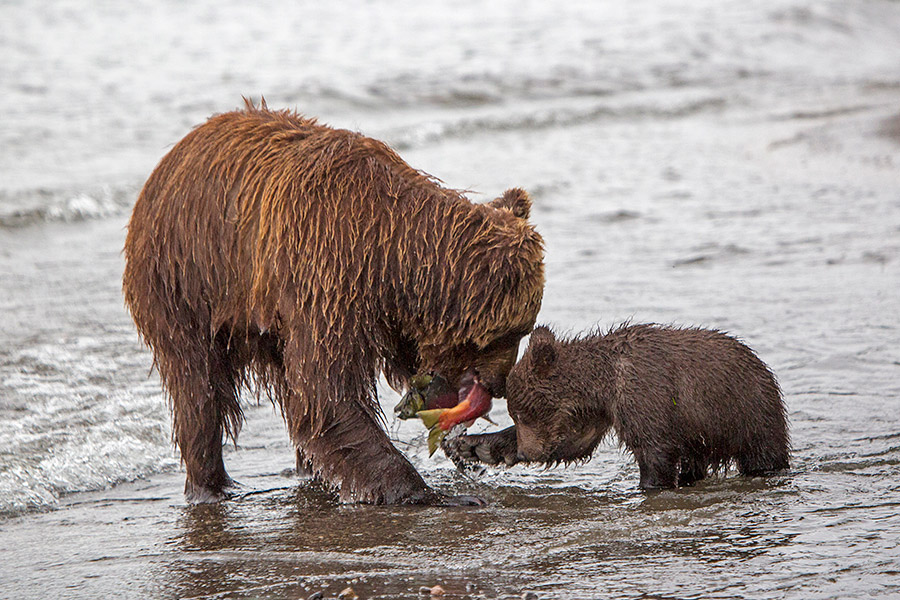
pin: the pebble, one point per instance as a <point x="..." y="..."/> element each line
<point x="434" y="592"/>
<point x="431" y="591"/>
<point x="348" y="594"/>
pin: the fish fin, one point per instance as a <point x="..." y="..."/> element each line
<point x="435" y="435"/>
<point x="430" y="417"/>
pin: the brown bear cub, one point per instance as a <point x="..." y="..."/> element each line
<point x="683" y="401"/>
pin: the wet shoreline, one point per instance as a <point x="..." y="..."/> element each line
<point x="716" y="165"/>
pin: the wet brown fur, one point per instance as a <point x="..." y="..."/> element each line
<point x="266" y="248"/>
<point x="684" y="401"/>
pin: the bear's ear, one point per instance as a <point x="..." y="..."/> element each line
<point x="542" y="348"/>
<point x="515" y="200"/>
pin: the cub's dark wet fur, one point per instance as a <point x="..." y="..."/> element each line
<point x="682" y="400"/>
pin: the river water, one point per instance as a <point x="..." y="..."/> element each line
<point x="706" y="162"/>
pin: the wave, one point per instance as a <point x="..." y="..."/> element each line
<point x="23" y="208"/>
<point x="555" y="116"/>
<point x="76" y="415"/>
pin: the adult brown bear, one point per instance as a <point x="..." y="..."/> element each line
<point x="267" y="247"/>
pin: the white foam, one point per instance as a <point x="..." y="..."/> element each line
<point x="86" y="424"/>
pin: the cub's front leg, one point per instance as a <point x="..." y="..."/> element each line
<point x="489" y="448"/>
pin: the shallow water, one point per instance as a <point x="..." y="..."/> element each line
<point x="713" y="163"/>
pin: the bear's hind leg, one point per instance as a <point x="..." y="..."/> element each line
<point x="303" y="468"/>
<point x="765" y="461"/>
<point x="659" y="469"/>
<point x="767" y="451"/>
<point x="201" y="379"/>
<point x="692" y="470"/>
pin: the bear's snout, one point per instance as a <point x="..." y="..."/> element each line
<point x="529" y="445"/>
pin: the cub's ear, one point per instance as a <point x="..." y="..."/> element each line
<point x="542" y="332"/>
<point x="515" y="200"/>
<point x="542" y="348"/>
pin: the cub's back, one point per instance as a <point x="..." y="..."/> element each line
<point x="703" y="378"/>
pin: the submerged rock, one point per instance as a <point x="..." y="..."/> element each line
<point x="348" y="594"/>
<point x="433" y="591"/>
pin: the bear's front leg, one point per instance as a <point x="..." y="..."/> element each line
<point x="329" y="407"/>
<point x="344" y="447"/>
<point x="489" y="448"/>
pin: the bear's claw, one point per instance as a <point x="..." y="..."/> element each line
<point x="488" y="448"/>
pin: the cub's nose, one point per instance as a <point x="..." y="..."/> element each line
<point x="529" y="445"/>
